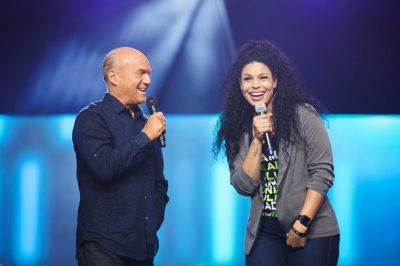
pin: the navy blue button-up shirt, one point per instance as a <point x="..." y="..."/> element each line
<point x="123" y="192"/>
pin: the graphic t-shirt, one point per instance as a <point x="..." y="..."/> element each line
<point x="269" y="179"/>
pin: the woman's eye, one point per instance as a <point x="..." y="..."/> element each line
<point x="246" y="78"/>
<point x="264" y="77"/>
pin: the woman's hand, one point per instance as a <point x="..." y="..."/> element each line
<point x="251" y="164"/>
<point x="293" y="239"/>
<point x="261" y="124"/>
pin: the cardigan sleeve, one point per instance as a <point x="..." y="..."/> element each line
<point x="318" y="150"/>
<point x="243" y="183"/>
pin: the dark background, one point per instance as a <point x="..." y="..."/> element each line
<point x="346" y="52"/>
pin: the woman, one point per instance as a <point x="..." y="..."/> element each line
<point x="291" y="220"/>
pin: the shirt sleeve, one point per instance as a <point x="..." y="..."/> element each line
<point x="243" y="183"/>
<point x="318" y="150"/>
<point x="93" y="145"/>
<point x="161" y="188"/>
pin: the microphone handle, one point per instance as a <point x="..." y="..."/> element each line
<point x="267" y="139"/>
<point x="153" y="110"/>
<point x="270" y="150"/>
<point x="162" y="140"/>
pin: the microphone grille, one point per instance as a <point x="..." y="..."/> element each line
<point x="260" y="108"/>
<point x="151" y="101"/>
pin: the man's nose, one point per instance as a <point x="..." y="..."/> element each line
<point x="147" y="80"/>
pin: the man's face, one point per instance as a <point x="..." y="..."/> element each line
<point x="134" y="79"/>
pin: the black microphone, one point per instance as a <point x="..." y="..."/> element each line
<point x="260" y="110"/>
<point x="152" y="105"/>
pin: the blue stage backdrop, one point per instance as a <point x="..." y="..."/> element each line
<point x="205" y="219"/>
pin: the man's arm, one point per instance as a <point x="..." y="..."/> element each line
<point x="94" y="145"/>
<point x="161" y="188"/>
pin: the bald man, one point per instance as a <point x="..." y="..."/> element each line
<point x="123" y="191"/>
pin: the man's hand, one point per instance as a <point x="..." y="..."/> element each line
<point x="155" y="126"/>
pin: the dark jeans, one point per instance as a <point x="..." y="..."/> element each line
<point x="272" y="250"/>
<point x="93" y="254"/>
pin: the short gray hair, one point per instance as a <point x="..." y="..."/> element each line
<point x="108" y="63"/>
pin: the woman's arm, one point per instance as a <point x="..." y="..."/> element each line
<point x="245" y="173"/>
<point x="320" y="168"/>
<point x="251" y="164"/>
<point x="261" y="125"/>
<point x="312" y="203"/>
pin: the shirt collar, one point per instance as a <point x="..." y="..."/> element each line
<point x="117" y="106"/>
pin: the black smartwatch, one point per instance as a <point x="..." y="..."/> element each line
<point x="304" y="220"/>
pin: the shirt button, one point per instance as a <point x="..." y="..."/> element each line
<point x="146" y="218"/>
<point x="145" y="197"/>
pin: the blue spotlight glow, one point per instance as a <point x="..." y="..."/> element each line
<point x="173" y="34"/>
<point x="5" y="125"/>
<point x="223" y="214"/>
<point x="2" y="207"/>
<point x="2" y="127"/>
<point x="366" y="155"/>
<point x="342" y="197"/>
<point x="205" y="218"/>
<point x="29" y="226"/>
<point x="198" y="31"/>
<point x="65" y="125"/>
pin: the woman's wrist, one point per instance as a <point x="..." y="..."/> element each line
<point x="296" y="232"/>
<point x="257" y="141"/>
<point x="299" y="227"/>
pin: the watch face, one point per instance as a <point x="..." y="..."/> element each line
<point x="304" y="220"/>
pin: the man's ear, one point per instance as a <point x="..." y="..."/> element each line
<point x="112" y="77"/>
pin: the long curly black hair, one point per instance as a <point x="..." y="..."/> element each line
<point x="237" y="114"/>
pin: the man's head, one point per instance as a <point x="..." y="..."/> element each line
<point x="126" y="72"/>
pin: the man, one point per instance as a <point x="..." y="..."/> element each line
<point x="123" y="192"/>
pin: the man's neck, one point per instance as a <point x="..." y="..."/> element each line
<point x="121" y="100"/>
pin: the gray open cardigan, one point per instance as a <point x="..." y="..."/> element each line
<point x="308" y="166"/>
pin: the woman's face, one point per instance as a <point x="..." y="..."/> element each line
<point x="257" y="84"/>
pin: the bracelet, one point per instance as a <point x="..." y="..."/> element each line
<point x="300" y="234"/>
